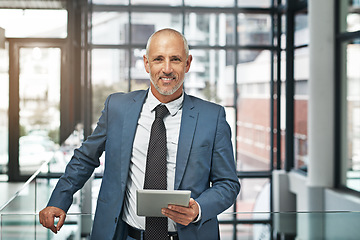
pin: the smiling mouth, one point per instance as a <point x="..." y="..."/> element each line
<point x="167" y="79"/>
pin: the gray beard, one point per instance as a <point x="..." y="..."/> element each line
<point x="166" y="93"/>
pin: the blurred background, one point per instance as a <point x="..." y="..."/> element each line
<point x="287" y="72"/>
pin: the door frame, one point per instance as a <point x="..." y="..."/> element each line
<point x="14" y="98"/>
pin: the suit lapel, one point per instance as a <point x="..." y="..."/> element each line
<point x="187" y="130"/>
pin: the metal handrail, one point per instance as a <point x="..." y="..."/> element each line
<point x="32" y="177"/>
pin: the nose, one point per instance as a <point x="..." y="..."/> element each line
<point x="167" y="68"/>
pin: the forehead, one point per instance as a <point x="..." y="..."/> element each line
<point x="166" y="44"/>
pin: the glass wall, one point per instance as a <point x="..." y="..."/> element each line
<point x="232" y="65"/>
<point x="253" y="110"/>
<point x="33" y="89"/>
<point x="348" y="93"/>
<point x="4" y="109"/>
<point x="351" y="121"/>
<point x="26" y="23"/>
<point x="39" y="91"/>
<point x="301" y="96"/>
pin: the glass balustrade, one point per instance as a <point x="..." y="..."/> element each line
<point x="285" y="225"/>
<point x="20" y="204"/>
<point x="27" y="227"/>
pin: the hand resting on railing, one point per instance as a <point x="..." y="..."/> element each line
<point x="48" y="215"/>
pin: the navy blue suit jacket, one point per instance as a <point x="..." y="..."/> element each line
<point x="204" y="164"/>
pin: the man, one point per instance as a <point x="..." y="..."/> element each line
<point x="199" y="154"/>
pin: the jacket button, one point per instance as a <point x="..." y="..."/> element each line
<point x="116" y="220"/>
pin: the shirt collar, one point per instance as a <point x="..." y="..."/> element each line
<point x="173" y="106"/>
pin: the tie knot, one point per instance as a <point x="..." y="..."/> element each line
<point x="161" y="111"/>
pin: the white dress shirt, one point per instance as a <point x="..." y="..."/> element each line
<point x="138" y="159"/>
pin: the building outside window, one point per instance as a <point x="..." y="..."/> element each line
<point x="348" y="92"/>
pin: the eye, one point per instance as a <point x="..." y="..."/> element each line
<point x="176" y="59"/>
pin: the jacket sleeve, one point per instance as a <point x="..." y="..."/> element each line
<point x="225" y="184"/>
<point x="81" y="165"/>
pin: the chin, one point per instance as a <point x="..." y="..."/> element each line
<point x="167" y="93"/>
<point x="166" y="89"/>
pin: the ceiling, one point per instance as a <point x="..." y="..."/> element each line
<point x="33" y="4"/>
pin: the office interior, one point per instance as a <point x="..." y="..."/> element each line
<point x="286" y="71"/>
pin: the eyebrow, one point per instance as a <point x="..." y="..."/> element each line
<point x="173" y="56"/>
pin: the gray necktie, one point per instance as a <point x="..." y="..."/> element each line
<point x="156" y="228"/>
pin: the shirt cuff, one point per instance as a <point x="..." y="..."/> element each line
<point x="199" y="216"/>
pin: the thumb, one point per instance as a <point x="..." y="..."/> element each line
<point x="192" y="202"/>
<point x="61" y="221"/>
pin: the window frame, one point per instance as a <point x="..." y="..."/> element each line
<point x="275" y="12"/>
<point x="341" y="38"/>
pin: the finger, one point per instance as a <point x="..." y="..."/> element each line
<point x="177" y="217"/>
<point x="61" y="221"/>
<point x="41" y="216"/>
<point x="177" y="208"/>
<point x="194" y="206"/>
<point x="172" y="215"/>
<point x="182" y="209"/>
<point x="185" y="214"/>
<point x="49" y="223"/>
<point x="191" y="202"/>
<point x="53" y="229"/>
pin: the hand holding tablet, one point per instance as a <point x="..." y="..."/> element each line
<point x="150" y="202"/>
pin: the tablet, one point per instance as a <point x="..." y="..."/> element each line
<point x="149" y="202"/>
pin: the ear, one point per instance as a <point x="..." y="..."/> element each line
<point x="146" y="64"/>
<point x="188" y="63"/>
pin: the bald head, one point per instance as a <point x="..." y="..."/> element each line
<point x="169" y="32"/>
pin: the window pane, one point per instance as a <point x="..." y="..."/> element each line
<point x="210" y="29"/>
<point x="301" y="75"/>
<point x="283" y="33"/>
<point x="254" y="29"/>
<point x="139" y="77"/>
<point x="349" y="15"/>
<point x="157" y="2"/>
<point x="301" y="29"/>
<point x="283" y="109"/>
<point x="301" y="68"/>
<point x="254" y="197"/>
<point x="211" y="76"/>
<point x="110" y="28"/>
<point x="353" y="116"/>
<point x="254" y="3"/>
<point x="253" y="202"/>
<point x="109" y="74"/>
<point x="144" y="24"/>
<point x="34" y="23"/>
<point x="353" y="21"/>
<point x="209" y="3"/>
<point x="39" y="89"/>
<point x="253" y="104"/>
<point x="4" y="108"/>
<point x="114" y="2"/>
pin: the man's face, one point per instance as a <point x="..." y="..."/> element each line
<point x="167" y="65"/>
